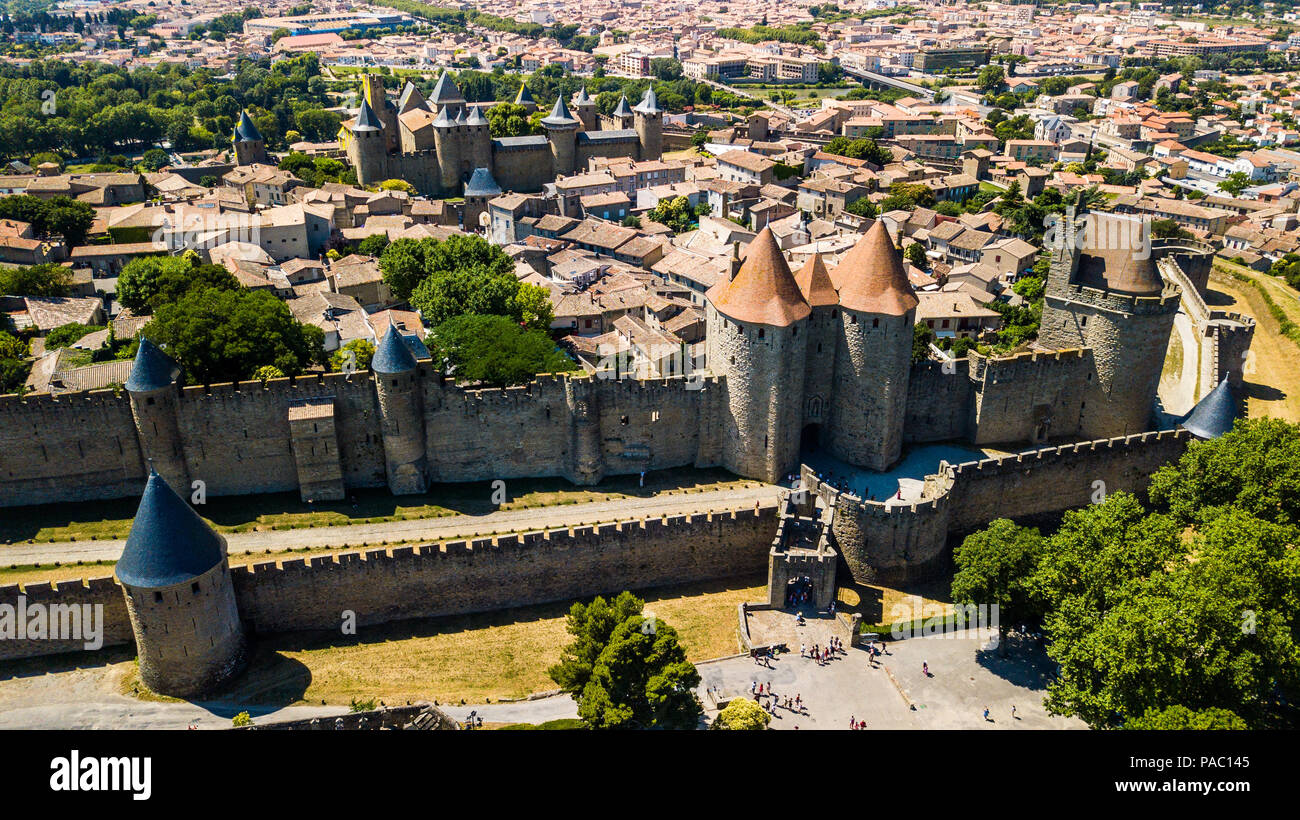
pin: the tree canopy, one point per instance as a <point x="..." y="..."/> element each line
<point x="495" y="350"/>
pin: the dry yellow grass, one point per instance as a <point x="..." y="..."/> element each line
<point x="474" y="657"/>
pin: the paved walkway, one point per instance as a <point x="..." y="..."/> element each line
<point x="427" y="529"/>
<point x="966" y="675"/>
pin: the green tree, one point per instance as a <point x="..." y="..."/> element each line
<point x="996" y="566"/>
<point x="1254" y="468"/>
<point x="1236" y="182"/>
<point x="922" y="338"/>
<point x="641" y="680"/>
<point x="148" y="282"/>
<point x="495" y="350"/>
<point x="990" y="78"/>
<point x="356" y="354"/>
<point x="65" y="335"/>
<point x="1180" y="718"/>
<point x="742" y="714"/>
<point x="373" y="245"/>
<point x="506" y="119"/>
<point x="915" y="254"/>
<point x="591" y="626"/>
<point x="35" y="280"/>
<point x="221" y="335"/>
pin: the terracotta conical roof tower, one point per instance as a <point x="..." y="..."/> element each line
<point x="815" y="283"/>
<point x="871" y="279"/>
<point x="763" y="290"/>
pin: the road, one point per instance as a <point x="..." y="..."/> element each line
<point x="743" y="93"/>
<point x="426" y="529"/>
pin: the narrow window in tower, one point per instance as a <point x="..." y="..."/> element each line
<point x="819" y="347"/>
<point x="157" y="597"/>
<point x="794" y="332"/>
<point x="1083" y="322"/>
<point x="876" y="323"/>
<point x="761" y="332"/>
<point x="853" y="320"/>
<point x="194" y="587"/>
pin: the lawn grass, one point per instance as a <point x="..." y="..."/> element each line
<point x="97" y="520"/>
<point x="477" y="658"/>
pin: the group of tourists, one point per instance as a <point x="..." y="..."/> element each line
<point x="770" y="701"/>
<point x="823" y="654"/>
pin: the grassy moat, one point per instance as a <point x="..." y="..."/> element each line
<point x="111" y="519"/>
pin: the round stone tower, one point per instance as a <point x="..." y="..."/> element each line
<point x="249" y="146"/>
<point x="562" y="134"/>
<point x="401" y="408"/>
<point x="447" y="143"/>
<point x="757" y="329"/>
<point x="1105" y="293"/>
<point x="480" y="190"/>
<point x="650" y="125"/>
<point x="179" y="597"/>
<point x="478" y="139"/>
<point x="815" y="285"/>
<point x="155" y="409"/>
<point x="368" y="146"/>
<point x="873" y="352"/>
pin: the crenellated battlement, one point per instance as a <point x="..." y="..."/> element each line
<point x="1034" y="458"/>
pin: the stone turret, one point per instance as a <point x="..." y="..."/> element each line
<point x="624" y="119"/>
<point x="584" y="108"/>
<point x="155" y="409"/>
<point x="372" y="86"/>
<point x="815" y="285"/>
<point x="562" y="134"/>
<point x="478" y="139"/>
<point x="873" y="352"/>
<point x="447" y="141"/>
<point x="480" y="190"/>
<point x="401" y="408"/>
<point x="525" y="98"/>
<point x="756" y="338"/>
<point x="1104" y="292"/>
<point x="248" y="143"/>
<point x="650" y="125"/>
<point x="368" y="146"/>
<point x="583" y="398"/>
<point x="179" y="597"/>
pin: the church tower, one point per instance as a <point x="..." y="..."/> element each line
<point x="757" y="323"/>
<point x="179" y="597"/>
<point x="249" y="146"/>
<point x="873" y="352"/>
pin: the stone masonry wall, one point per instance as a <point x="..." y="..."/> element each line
<point x="453" y="578"/>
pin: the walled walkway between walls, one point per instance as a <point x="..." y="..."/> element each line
<point x="424" y="529"/>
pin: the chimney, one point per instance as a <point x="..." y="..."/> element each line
<point x="735" y="260"/>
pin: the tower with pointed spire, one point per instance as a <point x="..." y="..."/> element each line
<point x="399" y="384"/>
<point x="650" y="125"/>
<point x="368" y="146"/>
<point x="815" y="284"/>
<point x="624" y="119"/>
<point x="179" y="597"/>
<point x="248" y="143"/>
<point x="584" y="108"/>
<point x="873" y="352"/>
<point x="756" y="340"/>
<point x="562" y="134"/>
<point x="154" y="408"/>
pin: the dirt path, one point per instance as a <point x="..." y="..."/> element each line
<point x="1273" y="390"/>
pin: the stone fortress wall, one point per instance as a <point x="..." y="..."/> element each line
<point x="451" y="578"/>
<point x="890" y="542"/>
<point x="1224" y="336"/>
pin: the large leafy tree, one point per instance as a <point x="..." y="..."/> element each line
<point x="1255" y="468"/>
<point x="36" y="280"/>
<point x="226" y="335"/>
<point x="495" y="350"/>
<point x="149" y="282"/>
<point x="641" y="680"/>
<point x="1182" y="718"/>
<point x="591" y="626"/>
<point x="994" y="566"/>
<point x="509" y="120"/>
<point x="742" y="714"/>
